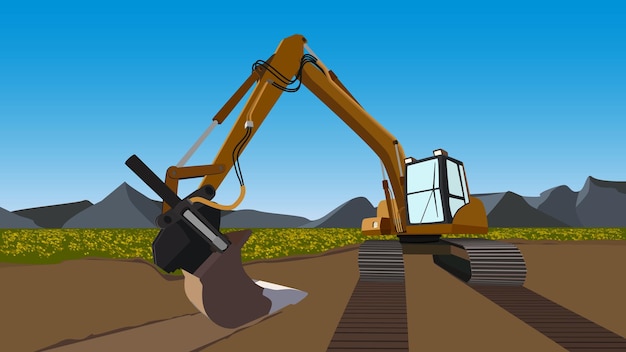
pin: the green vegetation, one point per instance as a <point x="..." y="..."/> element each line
<point x="46" y="246"/>
<point x="554" y="234"/>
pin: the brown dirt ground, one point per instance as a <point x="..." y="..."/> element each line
<point x="43" y="305"/>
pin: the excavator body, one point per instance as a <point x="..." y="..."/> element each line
<point x="437" y="202"/>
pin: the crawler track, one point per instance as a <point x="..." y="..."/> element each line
<point x="487" y="262"/>
<point x="497" y="271"/>
<point x="570" y="330"/>
<point x="375" y="317"/>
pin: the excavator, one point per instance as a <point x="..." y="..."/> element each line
<point x="424" y="199"/>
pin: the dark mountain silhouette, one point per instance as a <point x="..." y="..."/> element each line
<point x="534" y="201"/>
<point x="490" y="200"/>
<point x="602" y="203"/>
<point x="511" y="210"/>
<point x="54" y="216"/>
<point x="123" y="208"/>
<point x="9" y="220"/>
<point x="560" y="203"/>
<point x="599" y="204"/>
<point x="259" y="219"/>
<point x="347" y="215"/>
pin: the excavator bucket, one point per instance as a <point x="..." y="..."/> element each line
<point x="222" y="291"/>
<point x="215" y="281"/>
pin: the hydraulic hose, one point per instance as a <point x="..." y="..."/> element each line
<point x="221" y="206"/>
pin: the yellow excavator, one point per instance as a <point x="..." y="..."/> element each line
<point x="424" y="198"/>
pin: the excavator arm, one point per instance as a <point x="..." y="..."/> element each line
<point x="287" y="66"/>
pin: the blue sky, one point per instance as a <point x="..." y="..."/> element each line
<point x="529" y="95"/>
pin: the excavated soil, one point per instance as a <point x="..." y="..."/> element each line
<point x="56" y="305"/>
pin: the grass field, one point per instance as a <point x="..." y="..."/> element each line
<point x="47" y="246"/>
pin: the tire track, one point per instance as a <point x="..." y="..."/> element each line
<point x="563" y="326"/>
<point x="375" y="319"/>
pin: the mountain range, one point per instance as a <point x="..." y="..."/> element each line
<point x="598" y="204"/>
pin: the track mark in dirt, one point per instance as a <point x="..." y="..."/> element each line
<point x="568" y="329"/>
<point x="374" y="319"/>
<point x="192" y="333"/>
<point x="107" y="333"/>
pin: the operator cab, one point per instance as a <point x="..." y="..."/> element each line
<point x="436" y="189"/>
